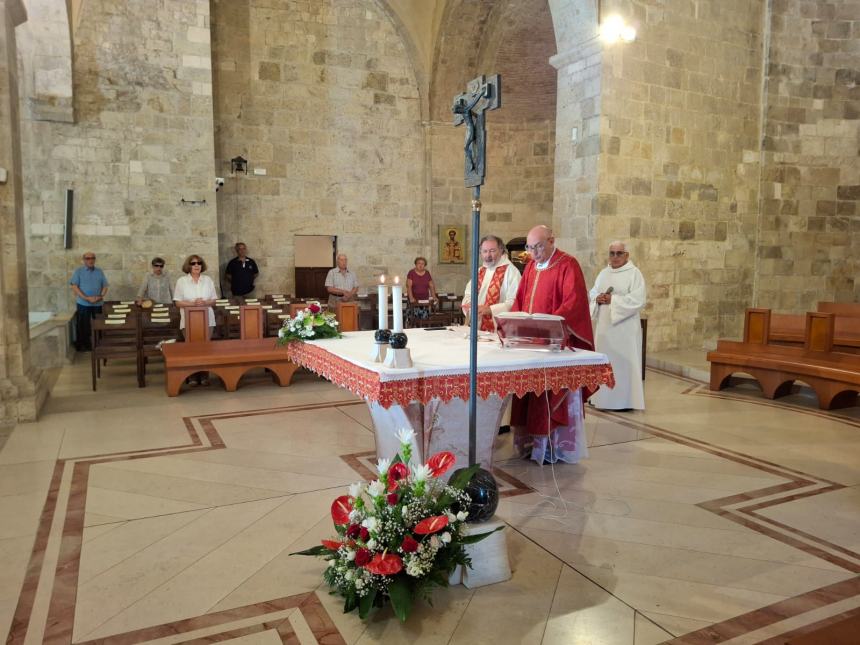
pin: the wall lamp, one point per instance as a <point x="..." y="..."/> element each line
<point x="239" y="164"/>
<point x="614" y="29"/>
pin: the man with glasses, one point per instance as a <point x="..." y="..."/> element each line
<point x="549" y="427"/>
<point x="616" y="300"/>
<point x="90" y="286"/>
<point x="156" y="285"/>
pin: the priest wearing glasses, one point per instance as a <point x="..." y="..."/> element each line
<point x="550" y="427"/>
<point x="616" y="300"/>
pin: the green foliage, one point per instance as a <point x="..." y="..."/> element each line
<point x="401" y="597"/>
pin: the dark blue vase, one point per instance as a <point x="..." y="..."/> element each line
<point x="484" y="493"/>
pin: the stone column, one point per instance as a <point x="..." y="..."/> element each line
<point x="21" y="392"/>
<point x="576" y="203"/>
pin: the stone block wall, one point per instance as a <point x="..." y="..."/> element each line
<point x="142" y="142"/>
<point x="324" y="97"/>
<point x="809" y="240"/>
<point x="518" y="193"/>
<point x="679" y="161"/>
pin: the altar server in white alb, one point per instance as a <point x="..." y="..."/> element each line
<point x="498" y="280"/>
<point x="616" y="300"/>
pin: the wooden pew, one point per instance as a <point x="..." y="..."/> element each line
<point x="833" y="375"/>
<point x="789" y="329"/>
<point x="847" y="309"/>
<point x="229" y="359"/>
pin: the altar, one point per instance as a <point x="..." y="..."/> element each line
<point x="431" y="397"/>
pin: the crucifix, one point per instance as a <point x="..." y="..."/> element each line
<point x="469" y="108"/>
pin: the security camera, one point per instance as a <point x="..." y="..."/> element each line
<point x="219" y="181"/>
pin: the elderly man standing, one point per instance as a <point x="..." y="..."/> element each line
<point x="498" y="280"/>
<point x="616" y="300"/>
<point x="550" y="427"/>
<point x="90" y="287"/>
<point x="341" y="283"/>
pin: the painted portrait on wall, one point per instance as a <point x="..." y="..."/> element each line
<point x="452" y="244"/>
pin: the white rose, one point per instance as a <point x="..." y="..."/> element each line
<point x="451" y="516"/>
<point x="370" y="523"/>
<point x="462" y="515"/>
<point x="434" y="541"/>
<point x="445" y="537"/>
<point x="350" y="555"/>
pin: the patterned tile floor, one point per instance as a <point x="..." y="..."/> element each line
<point x="710" y="518"/>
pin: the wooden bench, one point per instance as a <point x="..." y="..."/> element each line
<point x="229" y="359"/>
<point x="790" y="329"/>
<point x="834" y="376"/>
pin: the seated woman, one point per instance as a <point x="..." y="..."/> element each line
<point x="419" y="286"/>
<point x="195" y="290"/>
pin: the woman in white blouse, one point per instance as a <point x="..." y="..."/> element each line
<point x="195" y="290"/>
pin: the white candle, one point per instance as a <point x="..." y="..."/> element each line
<point x="383" y="303"/>
<point x="397" y="303"/>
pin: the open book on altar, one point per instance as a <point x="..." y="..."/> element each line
<point x="521" y="330"/>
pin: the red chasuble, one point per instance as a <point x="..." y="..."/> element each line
<point x="558" y="289"/>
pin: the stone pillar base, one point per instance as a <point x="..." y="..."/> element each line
<point x="21" y="398"/>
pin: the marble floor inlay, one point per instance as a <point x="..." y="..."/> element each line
<point x="709" y="518"/>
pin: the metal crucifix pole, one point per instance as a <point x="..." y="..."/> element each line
<point x="469" y="108"/>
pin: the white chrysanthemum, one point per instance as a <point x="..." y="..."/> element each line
<point x="376" y="488"/>
<point x="420" y="473"/>
<point x="405" y="435"/>
<point x="445" y="537"/>
<point x="462" y="515"/>
<point x="382" y="466"/>
<point x="356" y="489"/>
<point x="370" y="523"/>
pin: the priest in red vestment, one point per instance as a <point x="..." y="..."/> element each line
<point x="550" y="427"/>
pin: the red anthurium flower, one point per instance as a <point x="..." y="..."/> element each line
<point x="385" y="564"/>
<point x="431" y="525"/>
<point x="391" y="498"/>
<point x="332" y="545"/>
<point x="441" y="462"/>
<point x="364" y="534"/>
<point x="410" y="544"/>
<point x="340" y="509"/>
<point x="362" y="557"/>
<point x="315" y="309"/>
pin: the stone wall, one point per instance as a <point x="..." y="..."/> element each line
<point x="142" y="142"/>
<point x="518" y="193"/>
<point x="679" y="161"/>
<point x="809" y="239"/>
<point x="325" y="99"/>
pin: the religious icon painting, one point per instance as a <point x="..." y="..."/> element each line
<point x="452" y="244"/>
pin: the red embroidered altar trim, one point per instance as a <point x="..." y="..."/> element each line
<point x="366" y="384"/>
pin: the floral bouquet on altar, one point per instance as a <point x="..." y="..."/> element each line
<point x="308" y="324"/>
<point x="399" y="536"/>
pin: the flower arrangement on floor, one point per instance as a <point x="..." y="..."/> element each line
<point x="308" y="324"/>
<point x="399" y="536"/>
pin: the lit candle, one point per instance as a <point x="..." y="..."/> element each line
<point x="383" y="303"/>
<point x="397" y="304"/>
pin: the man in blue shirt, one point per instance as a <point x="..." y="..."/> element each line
<point x="90" y="286"/>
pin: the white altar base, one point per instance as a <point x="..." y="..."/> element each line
<point x="440" y="426"/>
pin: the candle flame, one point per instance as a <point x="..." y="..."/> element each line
<point x="382" y="279"/>
<point x="397" y="279"/>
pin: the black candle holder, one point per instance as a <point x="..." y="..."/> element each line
<point x="382" y="335"/>
<point x="398" y="340"/>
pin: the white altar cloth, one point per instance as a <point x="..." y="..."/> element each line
<point x="431" y="396"/>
